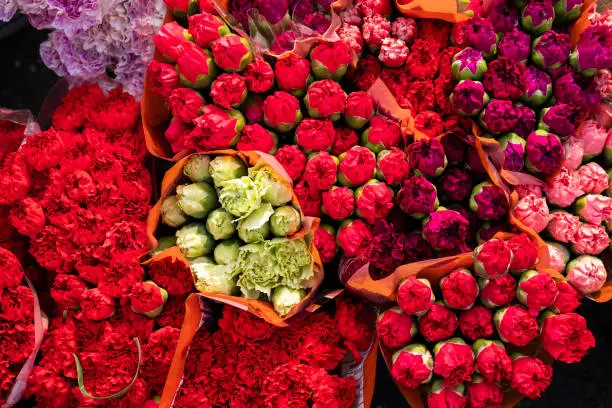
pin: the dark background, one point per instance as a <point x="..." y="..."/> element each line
<point x="25" y="83"/>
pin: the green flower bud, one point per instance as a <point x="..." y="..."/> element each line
<point x="171" y="213"/>
<point x="197" y="199"/>
<point x="193" y="240"/>
<point x="196" y="168"/>
<point x="240" y="197"/>
<point x="213" y="278"/>
<point x="285" y="221"/>
<point x="224" y="168"/>
<point x="284" y="299"/>
<point x="220" y="224"/>
<point x="256" y="226"/>
<point x="273" y="188"/>
<point x="162" y="244"/>
<point x="226" y="252"/>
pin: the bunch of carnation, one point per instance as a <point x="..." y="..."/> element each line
<point x="450" y="340"/>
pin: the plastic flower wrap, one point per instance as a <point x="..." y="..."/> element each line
<point x="538" y="87"/>
<point x="551" y="50"/>
<point x="515" y="45"/>
<point x="469" y="97"/>
<point x="396" y="329"/>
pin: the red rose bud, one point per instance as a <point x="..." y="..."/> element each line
<point x="418" y="197"/>
<point x="456" y="184"/>
<point x="357" y="166"/>
<point x="148" y="299"/>
<point x="309" y="199"/>
<point x="162" y="78"/>
<point x="393" y="52"/>
<point x="488" y="201"/>
<point x="537" y="16"/>
<point x="185" y="104"/>
<point x="415" y="296"/>
<point x="545" y="153"/>
<point x="476" y="323"/>
<point x="338" y="203"/>
<point x="177" y="134"/>
<point x="453" y="361"/>
<point x="439" y="323"/>
<point x="492" y="259"/>
<point x="293" y="161"/>
<point x="325" y="99"/>
<point x="259" y="76"/>
<point x="392" y="166"/>
<point x="228" y="91"/>
<point x="206" y="28"/>
<point x="325" y="242"/>
<point x="498" y="292"/>
<point x="483" y="394"/>
<point x="354" y="237"/>
<point x="292" y="73"/>
<point x="468" y="64"/>
<point x="374" y="201"/>
<point x="530" y="376"/>
<point x="395" y="329"/>
<point x="321" y="170"/>
<point x="446" y="230"/>
<point x="216" y="129"/>
<point x="344" y="140"/>
<point x="537" y="291"/>
<point x="315" y="135"/>
<point x="382" y="134"/>
<point x="96" y="305"/>
<point x="427" y="158"/>
<point x="515" y="325"/>
<point x="412" y="366"/>
<point x="524" y="252"/>
<point x="232" y="53"/>
<point x="492" y="361"/>
<point x="568" y="299"/>
<point x="282" y="111"/>
<point x="359" y="109"/>
<point x="256" y="137"/>
<point x="253" y="109"/>
<point x="459" y="289"/>
<point x="171" y="40"/>
<point x="330" y="60"/>
<point x="446" y="397"/>
<point x="196" y="67"/>
<point x="566" y="337"/>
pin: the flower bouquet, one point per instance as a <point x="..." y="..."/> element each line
<point x="238" y="224"/>
<point x="462" y="329"/>
<point x="323" y="357"/>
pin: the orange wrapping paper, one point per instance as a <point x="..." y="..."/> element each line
<point x="262" y="309"/>
<point x="446" y="10"/>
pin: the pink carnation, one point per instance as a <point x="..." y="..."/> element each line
<point x="533" y="212"/>
<point x="590" y="239"/>
<point x="563" y="188"/>
<point x="563" y="226"/>
<point x="593" y="178"/>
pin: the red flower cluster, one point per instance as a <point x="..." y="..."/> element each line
<point x="248" y="362"/>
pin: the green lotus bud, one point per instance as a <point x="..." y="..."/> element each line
<point x="197" y="199"/>
<point x="284" y="299"/>
<point x="226" y="252"/>
<point x="224" y="168"/>
<point x="240" y="197"/>
<point x="285" y="221"/>
<point x="256" y="226"/>
<point x="162" y="244"/>
<point x="193" y="240"/>
<point x="171" y="213"/>
<point x="221" y="224"/>
<point x="196" y="168"/>
<point x="274" y="189"/>
<point x="213" y="278"/>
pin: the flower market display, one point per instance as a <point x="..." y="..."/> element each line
<point x="293" y="170"/>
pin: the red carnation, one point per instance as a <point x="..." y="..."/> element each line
<point x="315" y="134"/>
<point x="344" y="140"/>
<point x="392" y="166"/>
<point x="27" y="217"/>
<point x="44" y="150"/>
<point x="325" y="99"/>
<point x="412" y="366"/>
<point x="446" y="230"/>
<point x="354" y="237"/>
<point x="325" y="242"/>
<point x="505" y="79"/>
<point x="321" y="171"/>
<point x="228" y="90"/>
<point x="355" y="322"/>
<point x="524" y="252"/>
<point x="516" y="326"/>
<point x="67" y="290"/>
<point x="196" y="67"/>
<point x="232" y="53"/>
<point x="148" y="299"/>
<point x="566" y="337"/>
<point x="96" y="305"/>
<point x="259" y="76"/>
<point x="395" y="329"/>
<point x="459" y="289"/>
<point x="492" y="361"/>
<point x="206" y="28"/>
<point x="374" y="201"/>
<point x="309" y="199"/>
<point x="359" y="109"/>
<point x="530" y="376"/>
<point x="482" y="394"/>
<point x="454" y="362"/>
<point x="536" y="290"/>
<point x="80" y="186"/>
<point x="497" y="292"/>
<point x="292" y="73"/>
<point x="330" y="59"/>
<point x="476" y="323"/>
<point x="293" y="161"/>
<point x="253" y="109"/>
<point x="357" y="166"/>
<point x="456" y="184"/>
<point x="568" y="298"/>
<point x="256" y="137"/>
<point x="438" y="324"/>
<point x="11" y="270"/>
<point x="338" y="203"/>
<point x="177" y="134"/>
<point x="429" y="123"/>
<point x="185" y="104"/>
<point x="162" y="78"/>
<point x="427" y="158"/>
<point x="446" y="397"/>
<point x="216" y="129"/>
<point x="366" y="73"/>
<point x="414" y="296"/>
<point x="492" y="259"/>
<point x="171" y="40"/>
<point x="282" y="111"/>
<point x="382" y="134"/>
<point x="172" y="275"/>
<point x="423" y="60"/>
